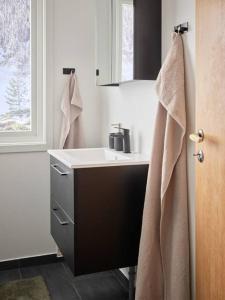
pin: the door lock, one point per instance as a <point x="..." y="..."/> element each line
<point x="200" y="155"/>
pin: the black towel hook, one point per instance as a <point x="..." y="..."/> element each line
<point x="68" y="71"/>
<point x="181" y="28"/>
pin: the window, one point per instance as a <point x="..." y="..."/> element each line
<point x="22" y="56"/>
<point x="123" y="40"/>
<point x="127" y="51"/>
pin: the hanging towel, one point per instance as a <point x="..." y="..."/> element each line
<point x="71" y="107"/>
<point x="163" y="266"/>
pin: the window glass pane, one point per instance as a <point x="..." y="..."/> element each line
<point x="15" y="65"/>
<point x="127" y="41"/>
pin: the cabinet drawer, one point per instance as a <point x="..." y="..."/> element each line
<point x="62" y="186"/>
<point x="62" y="230"/>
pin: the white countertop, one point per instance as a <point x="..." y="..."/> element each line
<point x="97" y="157"/>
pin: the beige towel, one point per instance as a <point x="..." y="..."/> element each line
<point x="163" y="267"/>
<point x="71" y="107"/>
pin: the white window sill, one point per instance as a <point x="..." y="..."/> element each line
<point x="23" y="147"/>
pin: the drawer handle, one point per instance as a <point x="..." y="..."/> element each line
<point x="56" y="167"/>
<point x="61" y="222"/>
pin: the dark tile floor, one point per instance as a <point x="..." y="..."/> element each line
<point x="63" y="286"/>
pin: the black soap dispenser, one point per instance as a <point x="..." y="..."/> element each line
<point x="118" y="138"/>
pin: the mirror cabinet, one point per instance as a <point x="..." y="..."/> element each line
<point x="128" y="36"/>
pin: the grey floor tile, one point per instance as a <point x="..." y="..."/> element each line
<point x="9" y="275"/>
<point x="98" y="287"/>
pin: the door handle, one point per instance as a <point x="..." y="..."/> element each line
<point x="56" y="167"/>
<point x="197" y="137"/>
<point x="61" y="222"/>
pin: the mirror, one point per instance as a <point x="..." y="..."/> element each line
<point x="115" y="52"/>
<point x="124" y="40"/>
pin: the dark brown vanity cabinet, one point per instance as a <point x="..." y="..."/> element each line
<point x="96" y="215"/>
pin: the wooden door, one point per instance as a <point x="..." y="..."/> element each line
<point x="210" y="180"/>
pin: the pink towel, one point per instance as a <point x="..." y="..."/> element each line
<point x="163" y="267"/>
<point x="71" y="107"/>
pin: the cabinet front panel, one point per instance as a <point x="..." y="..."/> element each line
<point x="62" y="186"/>
<point x="63" y="230"/>
<point x="109" y="215"/>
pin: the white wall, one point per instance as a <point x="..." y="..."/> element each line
<point x="24" y="206"/>
<point x="134" y="104"/>
<point x="24" y="177"/>
<point x="74" y="46"/>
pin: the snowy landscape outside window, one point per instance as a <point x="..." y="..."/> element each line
<point x="15" y="65"/>
<point x="127" y="41"/>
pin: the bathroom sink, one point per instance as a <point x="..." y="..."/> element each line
<point x="96" y="157"/>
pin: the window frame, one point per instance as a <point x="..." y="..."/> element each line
<point x="38" y="138"/>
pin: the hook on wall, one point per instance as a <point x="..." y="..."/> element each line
<point x="181" y="28"/>
<point x="68" y="71"/>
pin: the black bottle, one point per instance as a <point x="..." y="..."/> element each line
<point x="111" y="140"/>
<point x="118" y="141"/>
